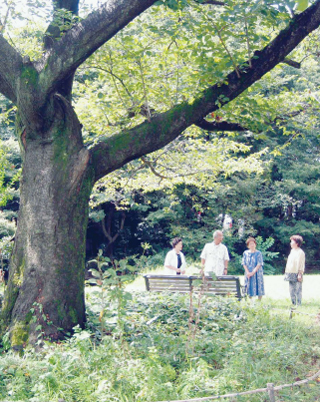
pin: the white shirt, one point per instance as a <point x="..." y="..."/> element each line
<point x="296" y="261"/>
<point x="214" y="255"/>
<point x="172" y="259"/>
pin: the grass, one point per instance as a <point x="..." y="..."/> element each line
<point x="155" y="353"/>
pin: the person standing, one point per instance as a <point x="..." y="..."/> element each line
<point x="252" y="262"/>
<point x="215" y="256"/>
<point x="295" y="269"/>
<point x="175" y="262"/>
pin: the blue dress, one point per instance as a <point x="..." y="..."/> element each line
<point x="255" y="284"/>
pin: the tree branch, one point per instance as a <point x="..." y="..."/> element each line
<point x="147" y="137"/>
<point x="4" y="23"/>
<point x="213" y="2"/>
<point x="219" y="126"/>
<point x="53" y="31"/>
<point x="10" y="70"/>
<point x="76" y="45"/>
<point x="292" y="63"/>
<point x="107" y="233"/>
<point x="153" y="170"/>
<point x="226" y="126"/>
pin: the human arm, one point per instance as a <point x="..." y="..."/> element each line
<point x="226" y="261"/>
<point x="203" y="262"/>
<point x="203" y="258"/>
<point x="171" y="262"/>
<point x="302" y="263"/>
<point x="247" y="272"/>
<point x="178" y="270"/>
<point x="173" y="268"/>
<point x="259" y="263"/>
<point x="244" y="263"/>
<point x="183" y="265"/>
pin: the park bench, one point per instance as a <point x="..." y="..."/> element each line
<point x="221" y="285"/>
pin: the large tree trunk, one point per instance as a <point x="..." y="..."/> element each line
<point x="46" y="281"/>
<point x="47" y="271"/>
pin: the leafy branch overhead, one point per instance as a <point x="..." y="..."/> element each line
<point x="155" y="134"/>
<point x="85" y="37"/>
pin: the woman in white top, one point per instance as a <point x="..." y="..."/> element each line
<point x="295" y="268"/>
<point x="175" y="263"/>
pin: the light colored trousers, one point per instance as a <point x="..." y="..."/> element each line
<point x="295" y="289"/>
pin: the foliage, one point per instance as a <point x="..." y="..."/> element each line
<point x="281" y="201"/>
<point x="268" y="256"/>
<point x="171" y="54"/>
<point x="111" y="277"/>
<point x="276" y="110"/>
<point x="237" y="348"/>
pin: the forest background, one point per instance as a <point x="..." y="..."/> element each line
<point x="259" y="172"/>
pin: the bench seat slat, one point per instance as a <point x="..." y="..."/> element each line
<point x="157" y="285"/>
<point x="187" y="283"/>
<point x="222" y="285"/>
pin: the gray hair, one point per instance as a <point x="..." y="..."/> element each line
<point x="216" y="233"/>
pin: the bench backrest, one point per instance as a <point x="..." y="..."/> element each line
<point x="222" y="285"/>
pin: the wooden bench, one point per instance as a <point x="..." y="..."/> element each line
<point x="222" y="285"/>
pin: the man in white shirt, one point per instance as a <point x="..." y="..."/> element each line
<point x="215" y="256"/>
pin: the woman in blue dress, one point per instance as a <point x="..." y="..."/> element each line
<point x="252" y="262"/>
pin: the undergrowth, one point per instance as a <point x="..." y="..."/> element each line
<point x="157" y="354"/>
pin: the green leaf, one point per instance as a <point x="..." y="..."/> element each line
<point x="302" y="5"/>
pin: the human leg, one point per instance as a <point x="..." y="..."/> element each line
<point x="299" y="293"/>
<point x="292" y="290"/>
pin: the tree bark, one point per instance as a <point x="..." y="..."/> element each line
<point x="45" y="291"/>
<point x="45" y="294"/>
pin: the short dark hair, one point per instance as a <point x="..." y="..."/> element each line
<point x="251" y="239"/>
<point x="298" y="239"/>
<point x="175" y="241"/>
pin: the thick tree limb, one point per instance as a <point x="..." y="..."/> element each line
<point x="85" y="38"/>
<point x="219" y="126"/>
<point x="119" y="149"/>
<point x="70" y="5"/>
<point x="53" y="31"/>
<point x="10" y="69"/>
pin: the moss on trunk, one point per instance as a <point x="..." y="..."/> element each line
<point x="45" y="293"/>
